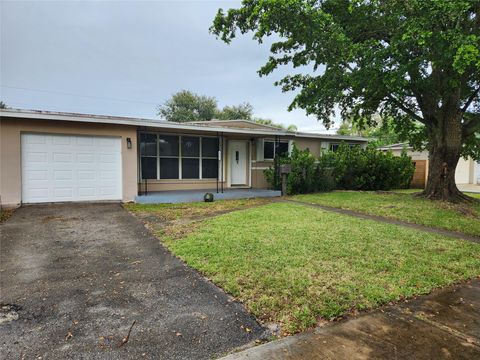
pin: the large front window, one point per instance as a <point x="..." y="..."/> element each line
<point x="178" y="157"/>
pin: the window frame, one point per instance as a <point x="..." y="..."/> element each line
<point x="274" y="148"/>
<point x="333" y="147"/>
<point x="180" y="156"/>
<point x="350" y="145"/>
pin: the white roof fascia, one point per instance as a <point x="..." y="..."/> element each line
<point x="331" y="137"/>
<point x="161" y="124"/>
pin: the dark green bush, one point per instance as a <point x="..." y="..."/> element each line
<point x="307" y="174"/>
<point x="370" y="169"/>
<point x="349" y="168"/>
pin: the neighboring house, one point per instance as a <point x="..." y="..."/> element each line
<point x="56" y="157"/>
<point x="467" y="172"/>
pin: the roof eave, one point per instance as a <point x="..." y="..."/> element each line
<point x="14" y="113"/>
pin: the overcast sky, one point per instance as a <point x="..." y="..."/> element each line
<point x="125" y="57"/>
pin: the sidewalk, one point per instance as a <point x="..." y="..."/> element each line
<point x="442" y="325"/>
<point x="474" y="188"/>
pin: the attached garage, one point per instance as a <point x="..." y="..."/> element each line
<point x="58" y="168"/>
<point x="47" y="157"/>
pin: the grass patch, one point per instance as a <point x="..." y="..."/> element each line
<point x="171" y="212"/>
<point x="474" y="195"/>
<point x="404" y="206"/>
<point x="292" y="264"/>
<point x="5" y="214"/>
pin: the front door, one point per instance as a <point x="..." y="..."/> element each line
<point x="238" y="162"/>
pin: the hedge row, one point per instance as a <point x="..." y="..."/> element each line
<point x="348" y="168"/>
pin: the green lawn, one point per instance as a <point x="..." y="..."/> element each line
<point x="293" y="264"/>
<point x="404" y="206"/>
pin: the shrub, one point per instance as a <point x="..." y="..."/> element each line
<point x="349" y="168"/>
<point x="370" y="169"/>
<point x="307" y="175"/>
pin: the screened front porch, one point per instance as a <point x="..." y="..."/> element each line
<point x="176" y="168"/>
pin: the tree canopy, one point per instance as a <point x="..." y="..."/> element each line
<point x="382" y="133"/>
<point x="414" y="61"/>
<point x="243" y="111"/>
<point x="186" y="106"/>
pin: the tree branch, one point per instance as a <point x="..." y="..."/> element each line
<point x="470" y="100"/>
<point x="472" y="124"/>
<point x="407" y="110"/>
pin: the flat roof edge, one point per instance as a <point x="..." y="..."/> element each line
<point x="162" y="124"/>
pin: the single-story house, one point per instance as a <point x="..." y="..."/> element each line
<point x="57" y="157"/>
<point x="467" y="172"/>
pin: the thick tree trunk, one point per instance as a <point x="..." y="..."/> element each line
<point x="445" y="146"/>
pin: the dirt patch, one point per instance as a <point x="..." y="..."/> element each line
<point x="8" y="313"/>
<point x="169" y="212"/>
<point x="178" y="231"/>
<point x="178" y="220"/>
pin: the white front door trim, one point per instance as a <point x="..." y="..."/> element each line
<point x="237" y="174"/>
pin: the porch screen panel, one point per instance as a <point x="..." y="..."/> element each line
<point x="190" y="157"/>
<point x="209" y="158"/>
<point x="148" y="155"/>
<point x="268" y="150"/>
<point x="282" y="149"/>
<point x="272" y="149"/>
<point x="169" y="156"/>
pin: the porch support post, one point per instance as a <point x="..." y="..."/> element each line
<point x="276" y="160"/>
<point x="218" y="155"/>
<point x="223" y="155"/>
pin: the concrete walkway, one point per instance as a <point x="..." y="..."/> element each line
<point x="443" y="325"/>
<point x="454" y="234"/>
<point x="474" y="188"/>
<point x="188" y="196"/>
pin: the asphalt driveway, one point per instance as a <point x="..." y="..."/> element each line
<point x="78" y="276"/>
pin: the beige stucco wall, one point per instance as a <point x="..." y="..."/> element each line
<point x="313" y="145"/>
<point x="10" y="152"/>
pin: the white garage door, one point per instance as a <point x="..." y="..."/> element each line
<point x="70" y="168"/>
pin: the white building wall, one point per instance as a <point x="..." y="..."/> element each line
<point x="462" y="174"/>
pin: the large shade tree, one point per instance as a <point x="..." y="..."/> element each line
<point x="415" y="61"/>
